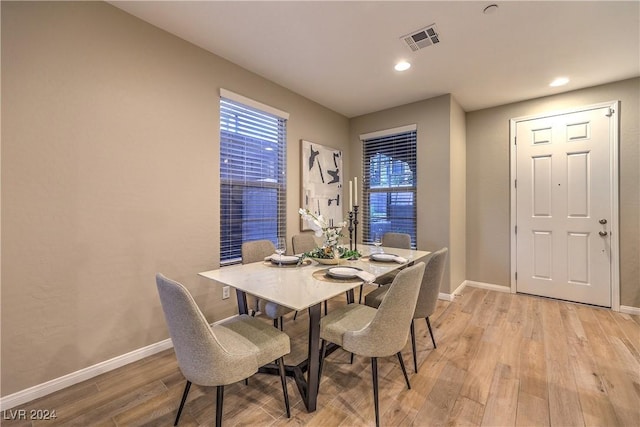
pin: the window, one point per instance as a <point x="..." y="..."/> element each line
<point x="389" y="188"/>
<point x="252" y="174"/>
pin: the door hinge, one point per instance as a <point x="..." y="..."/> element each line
<point x="516" y="275"/>
<point x="610" y="112"/>
<point x="515" y="140"/>
<point x="515" y="183"/>
<point x="516" y="229"/>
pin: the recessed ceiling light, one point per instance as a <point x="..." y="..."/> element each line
<point x="402" y="66"/>
<point x="560" y="81"/>
<point x="492" y="8"/>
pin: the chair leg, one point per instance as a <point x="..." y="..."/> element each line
<point x="283" y="380"/>
<point x="360" y="296"/>
<point x="279" y="323"/>
<point x="184" y="399"/>
<point x="374" y="373"/>
<point x="404" y="370"/>
<point x="325" y="307"/>
<point x="219" y="396"/>
<point x="413" y="346"/>
<point x="433" y="340"/>
<point x="295" y="315"/>
<point x="323" y="353"/>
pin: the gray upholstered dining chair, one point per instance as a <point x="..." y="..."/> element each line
<point x="221" y="354"/>
<point x="396" y="240"/>
<point x="393" y="240"/>
<point x="300" y="243"/>
<point x="427" y="299"/>
<point x="258" y="250"/>
<point x="303" y="242"/>
<point x="365" y="331"/>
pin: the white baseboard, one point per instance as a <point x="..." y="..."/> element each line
<point x="450" y="297"/>
<point x="489" y="286"/>
<point x="460" y="288"/>
<point x="446" y="297"/>
<point x="40" y="390"/>
<point x="68" y="380"/>
<point x="630" y="310"/>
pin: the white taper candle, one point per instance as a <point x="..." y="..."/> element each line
<point x="355" y="189"/>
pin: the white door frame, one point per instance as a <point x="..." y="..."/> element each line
<point x="615" y="232"/>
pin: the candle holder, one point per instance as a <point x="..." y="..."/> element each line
<point x="355" y="227"/>
<point x="350" y="230"/>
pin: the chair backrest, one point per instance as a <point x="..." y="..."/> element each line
<point x="396" y="240"/>
<point x="303" y="243"/>
<point x="201" y="358"/>
<point x="430" y="288"/>
<point x="387" y="333"/>
<point x="257" y="250"/>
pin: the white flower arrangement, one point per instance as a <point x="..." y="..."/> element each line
<point x="330" y="233"/>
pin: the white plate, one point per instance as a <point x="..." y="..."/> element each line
<point x="343" y="272"/>
<point x="284" y="259"/>
<point x="383" y="257"/>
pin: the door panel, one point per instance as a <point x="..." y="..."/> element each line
<point x="578" y="180"/>
<point x="542" y="191"/>
<point x="564" y="179"/>
<point x="577" y="258"/>
<point x="542" y="254"/>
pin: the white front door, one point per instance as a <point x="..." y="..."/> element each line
<point x="564" y="205"/>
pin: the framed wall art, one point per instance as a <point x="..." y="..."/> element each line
<point x="321" y="181"/>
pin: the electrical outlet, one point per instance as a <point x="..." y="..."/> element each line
<point x="225" y="292"/>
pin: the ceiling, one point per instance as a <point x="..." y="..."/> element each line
<point x="341" y="54"/>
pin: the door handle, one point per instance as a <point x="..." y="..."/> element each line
<point x="603" y="221"/>
<point x="603" y="233"/>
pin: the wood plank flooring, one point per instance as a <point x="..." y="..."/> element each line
<point x="502" y="360"/>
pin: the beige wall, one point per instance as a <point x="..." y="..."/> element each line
<point x="488" y="198"/>
<point x="434" y="200"/>
<point x="110" y="150"/>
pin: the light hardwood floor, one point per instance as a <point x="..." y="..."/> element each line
<point x="502" y="360"/>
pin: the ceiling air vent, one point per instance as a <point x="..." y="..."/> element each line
<point x="422" y="38"/>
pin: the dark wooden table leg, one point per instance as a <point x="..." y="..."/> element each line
<point x="314" y="358"/>
<point x="351" y="296"/>
<point x="242" y="302"/>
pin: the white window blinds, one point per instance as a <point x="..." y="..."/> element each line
<point x="252" y="176"/>
<point x="390" y="175"/>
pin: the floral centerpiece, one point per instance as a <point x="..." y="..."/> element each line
<point x="330" y="252"/>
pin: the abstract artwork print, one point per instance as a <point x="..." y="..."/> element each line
<point x="321" y="181"/>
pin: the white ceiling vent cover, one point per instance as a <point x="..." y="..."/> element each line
<point x="422" y="38"/>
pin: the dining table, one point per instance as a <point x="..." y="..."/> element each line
<point x="305" y="285"/>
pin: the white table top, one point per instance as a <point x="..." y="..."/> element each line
<point x="295" y="287"/>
